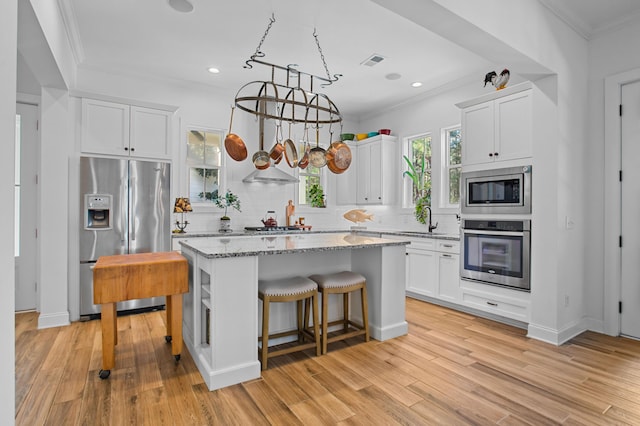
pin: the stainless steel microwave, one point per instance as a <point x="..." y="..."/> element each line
<point x="497" y="191"/>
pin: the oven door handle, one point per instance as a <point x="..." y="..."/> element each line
<point x="499" y="233"/>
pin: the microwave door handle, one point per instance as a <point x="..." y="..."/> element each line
<point x="499" y="233"/>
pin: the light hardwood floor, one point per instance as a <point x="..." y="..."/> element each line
<point x="452" y="368"/>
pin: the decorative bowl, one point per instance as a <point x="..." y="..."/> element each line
<point x="384" y="131"/>
<point x="347" y="136"/>
<point x="361" y="136"/>
<point x="372" y="134"/>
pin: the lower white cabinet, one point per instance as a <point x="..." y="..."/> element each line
<point x="449" y="276"/>
<point x="495" y="300"/>
<point x="432" y="268"/>
<point x="422" y="268"/>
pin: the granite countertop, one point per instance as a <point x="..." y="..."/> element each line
<point x="370" y="232"/>
<point x="256" y="245"/>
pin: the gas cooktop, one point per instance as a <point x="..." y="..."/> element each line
<point x="267" y="229"/>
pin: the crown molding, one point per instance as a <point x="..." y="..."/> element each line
<point x="70" y="25"/>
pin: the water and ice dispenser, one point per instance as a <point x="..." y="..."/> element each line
<point x="97" y="212"/>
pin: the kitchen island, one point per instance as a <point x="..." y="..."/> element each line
<point x="221" y="311"/>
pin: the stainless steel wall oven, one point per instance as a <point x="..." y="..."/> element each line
<point x="496" y="252"/>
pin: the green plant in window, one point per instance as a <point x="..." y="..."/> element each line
<point x="315" y="194"/>
<point x="209" y="196"/>
<point x="421" y="189"/>
<point x="227" y="200"/>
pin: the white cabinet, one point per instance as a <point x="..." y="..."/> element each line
<point x="422" y="273"/>
<point x="498" y="129"/>
<point x="448" y="270"/>
<point x="433" y="268"/>
<point x="346" y="182"/>
<point x="495" y="300"/>
<point x="117" y="129"/>
<point x="376" y="170"/>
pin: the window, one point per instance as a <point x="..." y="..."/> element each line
<point x="204" y="162"/>
<point x="453" y="165"/>
<point x="309" y="177"/>
<point x="418" y="151"/>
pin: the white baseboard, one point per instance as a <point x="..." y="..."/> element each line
<point x="57" y="319"/>
<point x="556" y="337"/>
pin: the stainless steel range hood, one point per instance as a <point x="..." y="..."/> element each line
<point x="270" y="175"/>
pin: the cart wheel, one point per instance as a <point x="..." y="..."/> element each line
<point x="168" y="339"/>
<point x="104" y="374"/>
<point x="177" y="357"/>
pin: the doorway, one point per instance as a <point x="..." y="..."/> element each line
<point x="630" y="210"/>
<point x="25" y="237"/>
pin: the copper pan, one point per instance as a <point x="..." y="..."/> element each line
<point x="318" y="155"/>
<point x="278" y="149"/>
<point x="304" y="161"/>
<point x="233" y="144"/>
<point x="338" y="157"/>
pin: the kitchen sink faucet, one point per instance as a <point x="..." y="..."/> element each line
<point x="431" y="227"/>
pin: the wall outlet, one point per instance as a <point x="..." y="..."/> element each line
<point x="569" y="223"/>
<point x="566" y="300"/>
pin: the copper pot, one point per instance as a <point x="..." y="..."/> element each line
<point x="338" y="157"/>
<point x="278" y="149"/>
<point x="233" y="144"/>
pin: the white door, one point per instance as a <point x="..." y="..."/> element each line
<point x="26" y="206"/>
<point x="630" y="208"/>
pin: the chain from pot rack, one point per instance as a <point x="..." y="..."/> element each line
<point x="308" y="107"/>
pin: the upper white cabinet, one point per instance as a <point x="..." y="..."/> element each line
<point x="497" y="127"/>
<point x="117" y="129"/>
<point x="346" y="182"/>
<point x="375" y="170"/>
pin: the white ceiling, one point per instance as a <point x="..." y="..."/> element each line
<point x="149" y="38"/>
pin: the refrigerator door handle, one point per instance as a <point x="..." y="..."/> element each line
<point x="123" y="213"/>
<point x="133" y="200"/>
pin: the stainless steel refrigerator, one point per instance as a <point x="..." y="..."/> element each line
<point x="125" y="208"/>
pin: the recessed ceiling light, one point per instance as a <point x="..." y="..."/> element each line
<point x="183" y="6"/>
<point x="213" y="70"/>
<point x="393" y="76"/>
<point x="416" y="84"/>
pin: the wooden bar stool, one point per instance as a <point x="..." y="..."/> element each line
<point x="342" y="283"/>
<point x="294" y="289"/>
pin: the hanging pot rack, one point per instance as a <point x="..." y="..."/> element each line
<point x="295" y="101"/>
<point x="289" y="96"/>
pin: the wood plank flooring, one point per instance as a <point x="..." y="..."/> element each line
<point x="451" y="369"/>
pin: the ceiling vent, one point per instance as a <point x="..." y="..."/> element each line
<point x="372" y="60"/>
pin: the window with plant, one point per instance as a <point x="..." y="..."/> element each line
<point x="452" y="142"/>
<point x="204" y="163"/>
<point x="418" y="172"/>
<point x="418" y="169"/>
<point x="310" y="190"/>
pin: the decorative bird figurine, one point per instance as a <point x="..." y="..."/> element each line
<point x="498" y="81"/>
<point x="357" y="215"/>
